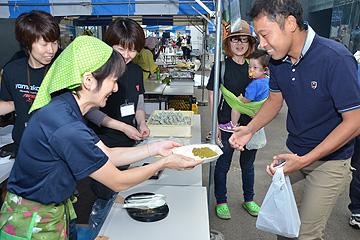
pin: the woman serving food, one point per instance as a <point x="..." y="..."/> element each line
<point x="58" y="149"/>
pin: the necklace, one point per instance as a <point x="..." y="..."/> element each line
<point x="29" y="84"/>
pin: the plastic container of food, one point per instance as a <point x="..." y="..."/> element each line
<point x="168" y="130"/>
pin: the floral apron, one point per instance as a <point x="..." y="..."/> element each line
<point x="26" y="219"/>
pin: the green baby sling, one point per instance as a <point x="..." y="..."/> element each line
<point x="234" y="102"/>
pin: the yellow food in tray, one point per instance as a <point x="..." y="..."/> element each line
<point x="204" y="152"/>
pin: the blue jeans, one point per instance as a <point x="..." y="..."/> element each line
<point x="72" y="230"/>
<point x="354" y="206"/>
<point x="247" y="158"/>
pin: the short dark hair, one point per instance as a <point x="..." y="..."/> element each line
<point x="278" y="10"/>
<point x="125" y="32"/>
<point x="115" y="66"/>
<point x="31" y="26"/>
<point x="262" y="55"/>
<point x="229" y="52"/>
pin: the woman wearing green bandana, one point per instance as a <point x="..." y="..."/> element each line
<point x="58" y="149"/>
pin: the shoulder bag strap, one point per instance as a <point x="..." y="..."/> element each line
<point x="222" y="71"/>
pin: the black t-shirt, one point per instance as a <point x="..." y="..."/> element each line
<point x="22" y="54"/>
<point x="15" y="87"/>
<point x="131" y="85"/>
<point x="188" y="40"/>
<point x="236" y="79"/>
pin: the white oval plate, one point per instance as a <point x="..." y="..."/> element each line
<point x="187" y="151"/>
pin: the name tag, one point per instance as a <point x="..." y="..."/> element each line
<point x="127" y="109"/>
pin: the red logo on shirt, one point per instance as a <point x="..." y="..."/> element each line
<point x="313" y="84"/>
<point x="137" y="87"/>
<point x="27" y="95"/>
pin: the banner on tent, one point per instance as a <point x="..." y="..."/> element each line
<point x="165" y="28"/>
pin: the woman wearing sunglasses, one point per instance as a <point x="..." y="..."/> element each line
<point x="238" y="46"/>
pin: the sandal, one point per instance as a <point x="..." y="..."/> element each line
<point x="222" y="211"/>
<point x="251" y="207"/>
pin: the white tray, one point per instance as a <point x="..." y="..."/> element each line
<point x="187" y="151"/>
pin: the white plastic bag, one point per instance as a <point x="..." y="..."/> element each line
<point x="257" y="141"/>
<point x="278" y="213"/>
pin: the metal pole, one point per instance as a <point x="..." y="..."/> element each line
<point x="218" y="44"/>
<point x="202" y="86"/>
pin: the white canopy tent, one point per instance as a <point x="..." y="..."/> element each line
<point x="12" y="9"/>
<point x="101" y="13"/>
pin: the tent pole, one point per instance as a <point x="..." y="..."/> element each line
<point x="202" y="86"/>
<point x="218" y="44"/>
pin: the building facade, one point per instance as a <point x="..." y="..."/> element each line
<point x="329" y="18"/>
<point x="345" y="23"/>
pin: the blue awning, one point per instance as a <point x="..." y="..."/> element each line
<point x="165" y="28"/>
<point x="12" y="9"/>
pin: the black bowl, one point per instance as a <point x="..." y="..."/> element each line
<point x="147" y="215"/>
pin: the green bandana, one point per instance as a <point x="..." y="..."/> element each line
<point x="84" y="54"/>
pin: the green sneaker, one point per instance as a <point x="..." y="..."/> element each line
<point x="222" y="211"/>
<point x="251" y="207"/>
